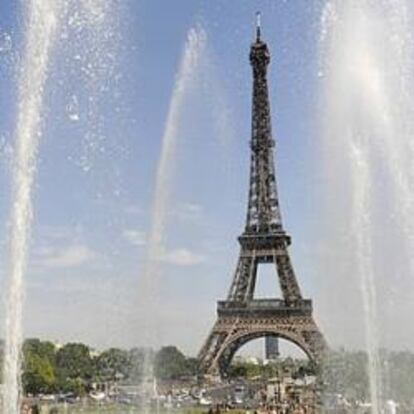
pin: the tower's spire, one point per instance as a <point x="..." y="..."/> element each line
<point x="263" y="213"/>
<point x="258" y="26"/>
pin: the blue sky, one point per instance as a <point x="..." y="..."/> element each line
<point x="106" y="102"/>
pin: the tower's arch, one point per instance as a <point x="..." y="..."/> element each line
<point x="239" y="341"/>
<point x="229" y="335"/>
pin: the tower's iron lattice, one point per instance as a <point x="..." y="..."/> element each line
<point x="241" y="317"/>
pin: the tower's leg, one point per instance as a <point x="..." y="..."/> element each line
<point x="288" y="282"/>
<point x="243" y="281"/>
<point x="208" y="356"/>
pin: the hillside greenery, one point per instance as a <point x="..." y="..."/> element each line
<point x="75" y="368"/>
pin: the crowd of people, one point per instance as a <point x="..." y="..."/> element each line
<point x="34" y="409"/>
<point x="282" y="408"/>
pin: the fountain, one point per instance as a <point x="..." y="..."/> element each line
<point x="41" y="27"/>
<point x="44" y="24"/>
<point x="367" y="137"/>
<point x="186" y="75"/>
<point x="366" y="77"/>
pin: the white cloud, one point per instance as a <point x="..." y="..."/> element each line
<point x="70" y="256"/>
<point x="135" y="237"/>
<point x="182" y="257"/>
<point x="59" y="233"/>
<point x="189" y="211"/>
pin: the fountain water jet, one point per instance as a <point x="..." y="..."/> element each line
<point x="367" y="64"/>
<point x="89" y="24"/>
<point x="42" y="22"/>
<point x="185" y="80"/>
<point x="361" y="226"/>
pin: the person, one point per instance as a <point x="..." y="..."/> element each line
<point x="25" y="409"/>
<point x="34" y="409"/>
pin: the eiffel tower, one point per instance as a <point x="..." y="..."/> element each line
<point x="242" y="318"/>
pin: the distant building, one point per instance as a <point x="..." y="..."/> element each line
<point x="271" y="347"/>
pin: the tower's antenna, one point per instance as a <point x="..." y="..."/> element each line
<point x="258" y="25"/>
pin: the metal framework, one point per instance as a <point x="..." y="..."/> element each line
<point x="241" y="317"/>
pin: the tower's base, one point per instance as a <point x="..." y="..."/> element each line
<point x="241" y="322"/>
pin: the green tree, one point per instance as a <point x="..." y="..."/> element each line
<point x="192" y="366"/>
<point x="44" y="349"/>
<point x="238" y="370"/>
<point x="38" y="376"/>
<point x="113" y="364"/>
<point x="38" y="366"/>
<point x="170" y="363"/>
<point x="74" y="367"/>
